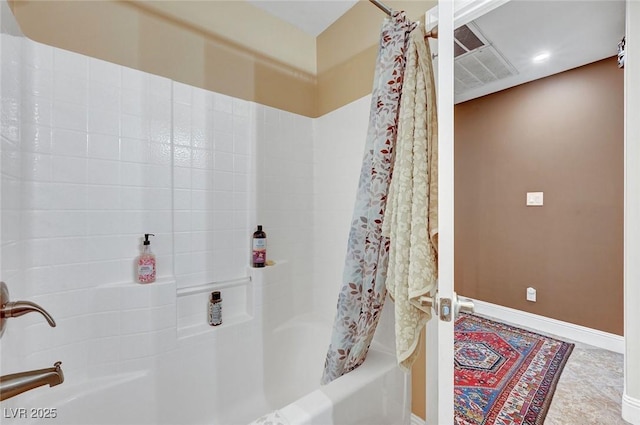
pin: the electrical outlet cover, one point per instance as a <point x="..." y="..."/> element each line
<point x="531" y="294"/>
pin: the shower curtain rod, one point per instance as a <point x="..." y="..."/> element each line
<point x="382" y="6"/>
<point x="386" y="9"/>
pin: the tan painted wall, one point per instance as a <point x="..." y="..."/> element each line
<point x="418" y="382"/>
<point x="134" y="35"/>
<point x="345" y="73"/>
<point x="245" y="25"/>
<point x="562" y="135"/>
<point x="229" y="47"/>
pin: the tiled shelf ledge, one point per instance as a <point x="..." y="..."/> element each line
<point x="132" y="295"/>
<point x="193" y="304"/>
<point x="213" y="286"/>
<point x="163" y="281"/>
<point x="203" y="328"/>
<point x="264" y="275"/>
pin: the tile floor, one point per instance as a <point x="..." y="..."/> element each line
<point x="590" y="389"/>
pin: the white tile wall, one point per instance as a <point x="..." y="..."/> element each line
<point x="93" y="171"/>
<point x="285" y="164"/>
<point x="11" y="162"/>
<point x="210" y="228"/>
<point x="338" y="152"/>
<point x="99" y="164"/>
<point x="95" y="154"/>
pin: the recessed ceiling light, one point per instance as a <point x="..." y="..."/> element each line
<point x="541" y="57"/>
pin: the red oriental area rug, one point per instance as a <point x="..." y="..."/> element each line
<point x="504" y="375"/>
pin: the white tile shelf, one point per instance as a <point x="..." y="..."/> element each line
<point x="199" y="329"/>
<point x="192" y="306"/>
<point x="213" y="286"/>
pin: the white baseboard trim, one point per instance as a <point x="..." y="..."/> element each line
<point x="630" y="410"/>
<point x="600" y="339"/>
<point x="417" y="420"/>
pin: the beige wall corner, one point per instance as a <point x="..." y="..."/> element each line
<point x="144" y="38"/>
<point x="102" y="29"/>
<point x="347" y="81"/>
<point x="230" y="47"/>
<point x="243" y="24"/>
<point x="419" y="382"/>
<point x="348" y="48"/>
<point x="359" y="29"/>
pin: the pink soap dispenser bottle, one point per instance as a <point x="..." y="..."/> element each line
<point x="147" y="262"/>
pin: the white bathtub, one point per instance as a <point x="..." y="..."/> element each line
<point x="375" y="393"/>
<point x="262" y="359"/>
<point x="183" y="387"/>
<point x="118" y="399"/>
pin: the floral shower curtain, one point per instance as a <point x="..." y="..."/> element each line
<point x="363" y="289"/>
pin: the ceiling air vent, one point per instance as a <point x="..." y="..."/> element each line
<point x="465" y="41"/>
<point x="477" y="61"/>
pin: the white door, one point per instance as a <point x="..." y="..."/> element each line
<point x="439" y="340"/>
<point x="448" y="15"/>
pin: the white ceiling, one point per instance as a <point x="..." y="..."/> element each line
<point x="575" y="33"/>
<point x="311" y="16"/>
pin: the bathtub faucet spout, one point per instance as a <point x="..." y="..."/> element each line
<point x="18" y="383"/>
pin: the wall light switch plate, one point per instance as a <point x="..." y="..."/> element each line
<point x="535" y="199"/>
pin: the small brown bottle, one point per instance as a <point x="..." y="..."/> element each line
<point x="215" y="309"/>
<point x="259" y="247"/>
